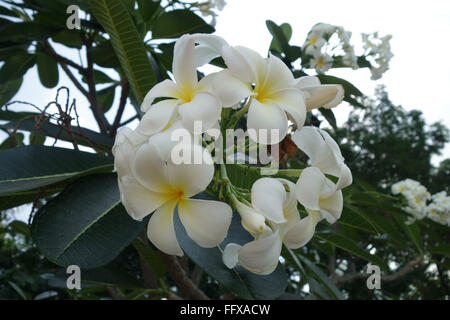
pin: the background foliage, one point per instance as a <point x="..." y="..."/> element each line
<point x="75" y="211"/>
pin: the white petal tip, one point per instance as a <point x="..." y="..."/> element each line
<point x="231" y="255"/>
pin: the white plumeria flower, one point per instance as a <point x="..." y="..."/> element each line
<point x="270" y="203"/>
<point x="188" y="99"/>
<point x="323" y="153"/>
<point x="268" y="81"/>
<point x="319" y="95"/>
<point x="319" y="195"/>
<point x="322" y="62"/>
<point x="151" y="182"/>
<point x="314" y="41"/>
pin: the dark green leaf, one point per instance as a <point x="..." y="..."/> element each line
<point x="352" y="247"/>
<point x="175" y="23"/>
<point x="8" y="90"/>
<point x="85" y="225"/>
<point x="16" y="66"/>
<point x="127" y="44"/>
<point x="35" y="166"/>
<point x="82" y="136"/>
<point x="47" y="70"/>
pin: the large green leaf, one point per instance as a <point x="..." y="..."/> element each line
<point x="151" y="256"/>
<point x="83" y="136"/>
<point x="32" y="167"/>
<point x="86" y="224"/>
<point x="175" y="23"/>
<point x="128" y="46"/>
<point x="238" y="280"/>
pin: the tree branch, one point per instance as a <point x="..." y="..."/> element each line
<point x="187" y="287"/>
<point x="48" y="50"/>
<point x="97" y="112"/>
<point x="122" y="104"/>
<point x="386" y="278"/>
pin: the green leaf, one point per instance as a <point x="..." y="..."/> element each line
<point x="238" y="280"/>
<point x="16" y="66"/>
<point x="69" y="38"/>
<point x="106" y="98"/>
<point x="356" y="218"/>
<point x="148" y="9"/>
<point x="317" y="273"/>
<point x="287" y="31"/>
<point x="174" y="24"/>
<point x="82" y="136"/>
<point x="31" y="167"/>
<point x="8" y="201"/>
<point x="47" y="70"/>
<point x="349" y="88"/>
<point x="8" y="90"/>
<point x="20" y="227"/>
<point x="151" y="256"/>
<point x="280" y="36"/>
<point x="352" y="247"/>
<point x="329" y="116"/>
<point x="85" y="225"/>
<point x="442" y="249"/>
<point x="13" y="141"/>
<point x="128" y="46"/>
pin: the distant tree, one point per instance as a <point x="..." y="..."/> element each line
<point x="384" y="143"/>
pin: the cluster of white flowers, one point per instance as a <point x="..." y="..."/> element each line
<point x="379" y="50"/>
<point x="272" y="217"/>
<point x="325" y="41"/>
<point x="150" y="179"/>
<point x="421" y="203"/>
<point x="208" y="9"/>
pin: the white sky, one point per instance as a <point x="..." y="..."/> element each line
<point x="419" y="76"/>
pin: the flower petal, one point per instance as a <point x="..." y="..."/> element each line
<point x="157" y="117"/>
<point x="321" y="149"/>
<point x="150" y="170"/>
<point x="302" y="231"/>
<point x="209" y="47"/>
<point x="331" y="207"/>
<point x="326" y="96"/>
<point x="164" y="89"/>
<point x="161" y="231"/>
<point x="307" y="81"/>
<point x="252" y="220"/>
<point x="244" y="63"/>
<point x="125" y="146"/>
<point x="189" y="177"/>
<point x="229" y="89"/>
<point x="277" y="76"/>
<point x="309" y="187"/>
<point x="291" y="101"/>
<point x="266" y="123"/>
<point x="261" y="256"/>
<point x="204" y="108"/>
<point x="230" y="255"/>
<point x="206" y="222"/>
<point x="269" y="196"/>
<point x="183" y="66"/>
<point x="138" y="200"/>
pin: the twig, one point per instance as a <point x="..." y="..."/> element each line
<point x="187" y="287"/>
<point x="122" y="104"/>
<point x="386" y="278"/>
